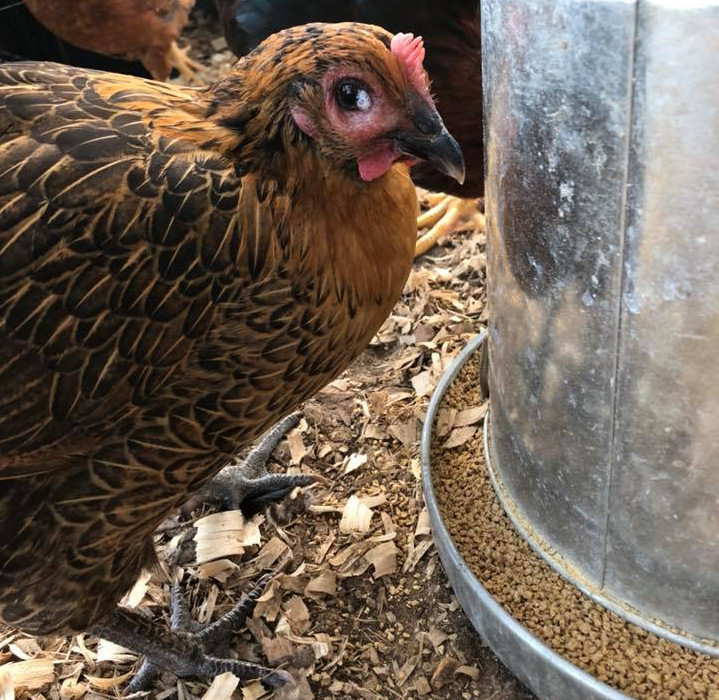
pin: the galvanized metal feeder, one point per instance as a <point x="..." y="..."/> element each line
<point x="602" y="125"/>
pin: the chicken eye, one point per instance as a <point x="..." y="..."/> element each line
<point x="351" y="95"/>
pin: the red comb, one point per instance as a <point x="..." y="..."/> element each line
<point x="410" y="53"/>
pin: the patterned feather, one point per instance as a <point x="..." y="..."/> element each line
<point x="179" y="268"/>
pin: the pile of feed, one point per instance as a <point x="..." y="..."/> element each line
<point x="634" y="661"/>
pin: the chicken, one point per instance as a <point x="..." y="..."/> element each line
<point x="180" y="268"/>
<point x="451" y="33"/>
<point x="134" y="29"/>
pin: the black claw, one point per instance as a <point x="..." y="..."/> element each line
<point x="144" y="678"/>
<point x="282" y="484"/>
<point x="276" y="679"/>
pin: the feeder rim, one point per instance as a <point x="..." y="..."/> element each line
<point x="444" y="542"/>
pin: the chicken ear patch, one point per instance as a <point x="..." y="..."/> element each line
<point x="409" y="51"/>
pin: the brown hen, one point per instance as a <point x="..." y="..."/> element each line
<point x="180" y="268"/>
<point x="146" y="30"/>
<point x="454" y="65"/>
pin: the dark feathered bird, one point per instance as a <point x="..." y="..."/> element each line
<point x="450" y="30"/>
<point x="179" y="268"/>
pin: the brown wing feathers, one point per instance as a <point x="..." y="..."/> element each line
<point x="162" y="302"/>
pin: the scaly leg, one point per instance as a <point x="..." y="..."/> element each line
<point x="446" y="215"/>
<point x="248" y="486"/>
<point x="181" y="651"/>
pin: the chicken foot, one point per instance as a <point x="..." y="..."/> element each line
<point x="181" y="651"/>
<point x="187" y="67"/>
<point x="249" y="486"/>
<point x="447" y="215"/>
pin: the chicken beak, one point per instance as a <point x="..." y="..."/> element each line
<point x="438" y="147"/>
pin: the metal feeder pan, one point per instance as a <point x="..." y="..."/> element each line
<point x="546" y="673"/>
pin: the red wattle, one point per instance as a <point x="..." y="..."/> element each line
<point x="373" y="166"/>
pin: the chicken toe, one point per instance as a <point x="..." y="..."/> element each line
<point x="182" y="651"/>
<point x="248" y="486"/>
<point x="446" y="215"/>
<point x="187" y="67"/>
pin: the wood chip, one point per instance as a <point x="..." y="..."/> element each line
<point x="323" y="585"/>
<point x="108" y="651"/>
<point x="378" y="401"/>
<point x="405" y="432"/>
<point x="372" y="431"/>
<point x="470" y="671"/>
<point x="408" y="668"/>
<point x="322" y="647"/>
<point x="354" y="462"/>
<point x="297" y="614"/>
<point x="415" y="555"/>
<point x="222" y="687"/>
<point x="444" y="673"/>
<point x="338" y="656"/>
<point x="300" y="691"/>
<point x="269" y="603"/>
<point x="471" y="416"/>
<point x="258" y="629"/>
<point x="325" y="547"/>
<point x="374" y="501"/>
<point x="224" y="534"/>
<point x="298" y="449"/>
<point x="32" y="674"/>
<point x="277" y="650"/>
<point x="384" y="559"/>
<point x="294" y="582"/>
<point x="253" y="691"/>
<point x="18" y="653"/>
<point x="109" y="683"/>
<point x="356" y="516"/>
<point x="423" y="527"/>
<point x="267" y="556"/>
<point x="325" y="450"/>
<point x="459" y="436"/>
<point x="136" y="594"/>
<point x="7" y="689"/>
<point x="207" y="607"/>
<point x="87" y="654"/>
<point x="423" y="383"/>
<point x="388" y="523"/>
<point x="320" y="509"/>
<point x="72" y="689"/>
<point x="218" y="570"/>
<point x="421" y="685"/>
<point x="348" y="555"/>
<point x="437" y="638"/>
<point x="445" y="421"/>
<point x="25" y="648"/>
<point x="416" y="468"/>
